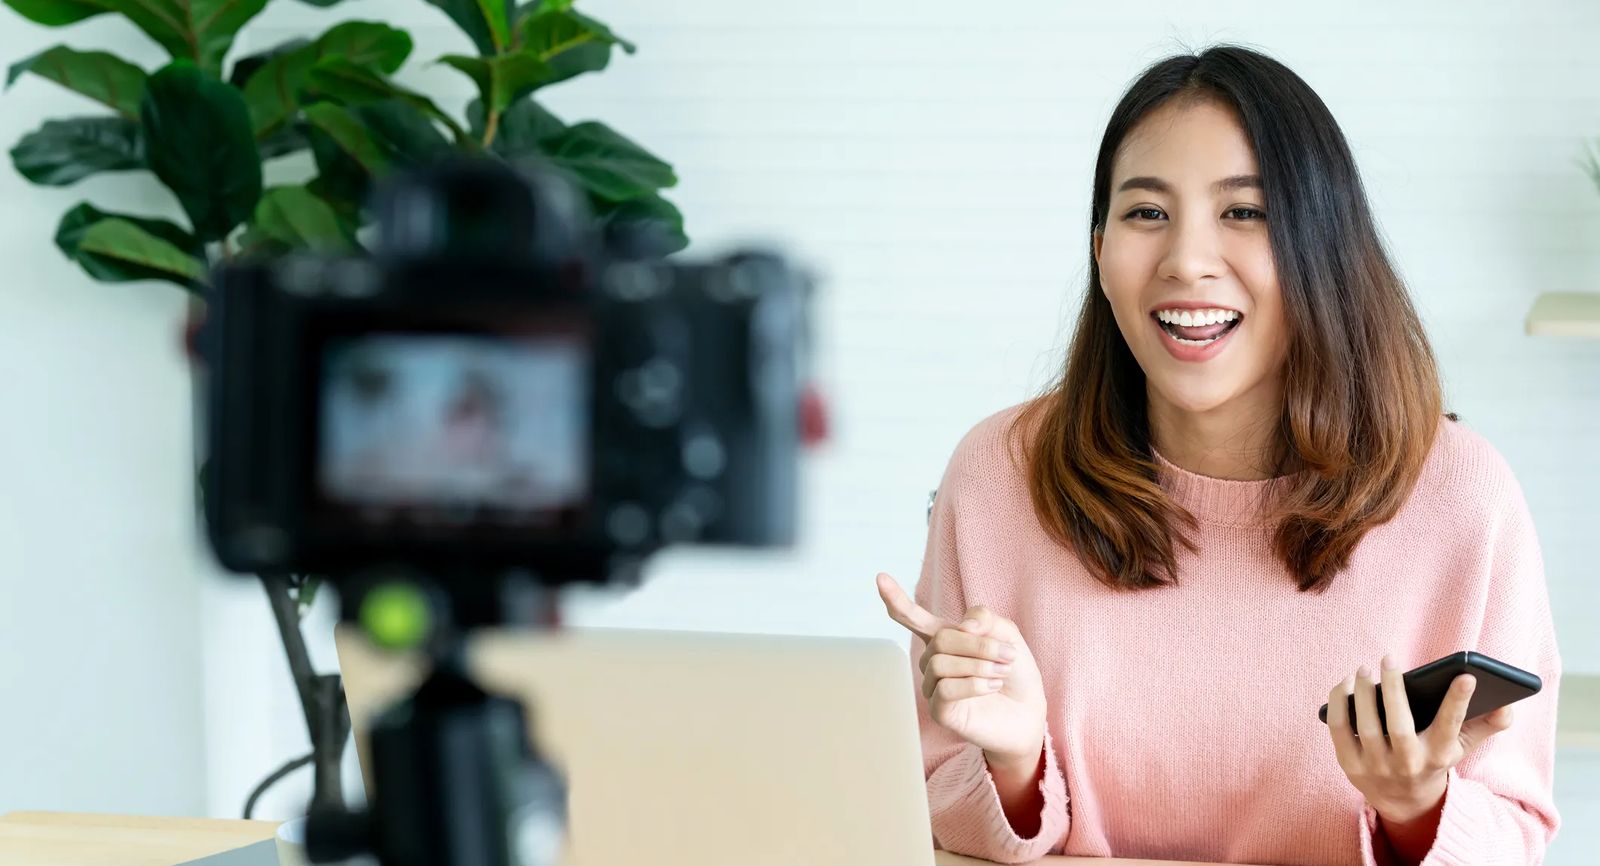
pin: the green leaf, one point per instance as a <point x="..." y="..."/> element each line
<point x="255" y="243"/>
<point x="570" y="42"/>
<point x="340" y="126"/>
<point x="609" y="166"/>
<point x="502" y="79"/>
<point x="78" y="220"/>
<point x="366" y="43"/>
<point x="124" y="251"/>
<point x="306" y="595"/>
<point x="486" y="22"/>
<point x="354" y="145"/>
<point x="341" y="181"/>
<point x="404" y="134"/>
<point x="201" y="31"/>
<point x="349" y="209"/>
<point x="286" y="140"/>
<point x="294" y="216"/>
<point x="62" y="152"/>
<point x="523" y="127"/>
<point x="54" y="13"/>
<point x="101" y="76"/>
<point x="354" y="85"/>
<point x="76" y="223"/>
<point x="199" y="143"/>
<point x="247" y="66"/>
<point x="273" y="93"/>
<point x="658" y="219"/>
<point x="274" y="90"/>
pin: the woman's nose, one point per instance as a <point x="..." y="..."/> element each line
<point x="1193" y="253"/>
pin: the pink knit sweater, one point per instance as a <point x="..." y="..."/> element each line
<point x="1182" y="721"/>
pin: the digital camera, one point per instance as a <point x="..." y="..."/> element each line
<point x="497" y="385"/>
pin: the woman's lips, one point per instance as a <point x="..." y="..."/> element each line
<point x="1188" y="352"/>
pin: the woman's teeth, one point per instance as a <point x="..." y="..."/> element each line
<point x="1195" y="318"/>
<point x="1195" y="342"/>
<point x="1197" y="327"/>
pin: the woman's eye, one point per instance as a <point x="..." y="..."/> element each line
<point x="1240" y="213"/>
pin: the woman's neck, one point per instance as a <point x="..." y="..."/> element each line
<point x="1237" y="441"/>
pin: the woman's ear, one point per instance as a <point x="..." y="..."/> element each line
<point x="1097" y="236"/>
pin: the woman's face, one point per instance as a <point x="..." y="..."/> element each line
<point x="1187" y="230"/>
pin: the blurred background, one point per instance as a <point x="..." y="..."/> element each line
<point x="932" y="160"/>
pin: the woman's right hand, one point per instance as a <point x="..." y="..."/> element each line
<point x="980" y="680"/>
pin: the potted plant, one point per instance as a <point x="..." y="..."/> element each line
<point x="203" y="124"/>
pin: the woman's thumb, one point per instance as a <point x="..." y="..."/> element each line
<point x="1482" y="728"/>
<point x="978" y="620"/>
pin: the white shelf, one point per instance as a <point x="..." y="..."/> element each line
<point x="1578" y="711"/>
<point x="1565" y="314"/>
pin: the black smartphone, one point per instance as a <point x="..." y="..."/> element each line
<point x="1498" y="684"/>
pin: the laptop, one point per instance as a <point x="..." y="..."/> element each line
<point x="704" y="748"/>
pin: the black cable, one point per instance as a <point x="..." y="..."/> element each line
<point x="286" y="769"/>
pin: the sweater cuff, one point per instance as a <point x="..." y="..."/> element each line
<point x="1462" y="821"/>
<point x="1456" y="842"/>
<point x="1374" y="849"/>
<point x="969" y="819"/>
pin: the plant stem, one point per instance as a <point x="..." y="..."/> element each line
<point x="490" y="128"/>
<point x="321" y="695"/>
<point x="286" y="612"/>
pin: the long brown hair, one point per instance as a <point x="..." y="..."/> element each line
<point x="1362" y="399"/>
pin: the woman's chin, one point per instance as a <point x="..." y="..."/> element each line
<point x="1195" y="398"/>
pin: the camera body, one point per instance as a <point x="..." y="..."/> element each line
<point x="497" y="387"/>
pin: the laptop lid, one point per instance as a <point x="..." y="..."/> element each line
<point x="705" y="748"/>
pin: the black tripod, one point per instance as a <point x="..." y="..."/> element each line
<point x="455" y="779"/>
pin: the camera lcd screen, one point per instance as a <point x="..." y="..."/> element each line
<point x="443" y="428"/>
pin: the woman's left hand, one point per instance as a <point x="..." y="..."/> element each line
<point x="1404" y="774"/>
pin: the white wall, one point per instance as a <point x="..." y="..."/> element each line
<point x="99" y="583"/>
<point x="933" y="158"/>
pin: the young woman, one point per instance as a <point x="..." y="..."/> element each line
<point x="1241" y="500"/>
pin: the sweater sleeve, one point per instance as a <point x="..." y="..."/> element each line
<point x="1499" y="802"/>
<point x="963" y="802"/>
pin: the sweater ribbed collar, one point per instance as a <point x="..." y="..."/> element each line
<point x="1221" y="501"/>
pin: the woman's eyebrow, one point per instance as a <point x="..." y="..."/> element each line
<point x="1156" y="184"/>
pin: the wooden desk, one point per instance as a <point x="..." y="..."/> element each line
<point x="67" y="839"/>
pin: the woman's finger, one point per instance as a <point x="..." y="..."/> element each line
<point x="953" y="641"/>
<point x="1345" y="745"/>
<point x="943" y="665"/>
<point x="979" y="619"/>
<point x="1397" y="706"/>
<point x="908" y="613"/>
<point x="1452" y="712"/>
<point x="1367" y="726"/>
<point x="961" y="688"/>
